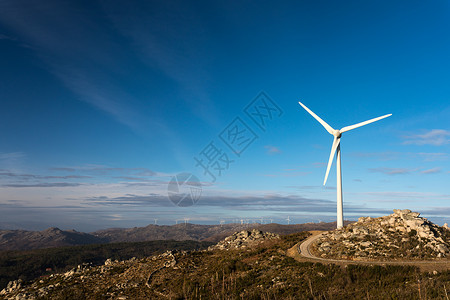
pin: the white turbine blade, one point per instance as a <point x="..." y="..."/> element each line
<point x="347" y="128"/>
<point x="336" y="142"/>
<point x="324" y="124"/>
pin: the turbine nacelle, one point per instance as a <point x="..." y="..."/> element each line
<point x="337" y="133"/>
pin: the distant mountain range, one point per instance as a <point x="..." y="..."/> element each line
<point x="51" y="237"/>
<point x="54" y="237"/>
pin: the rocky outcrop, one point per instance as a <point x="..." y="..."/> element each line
<point x="12" y="287"/>
<point x="131" y="276"/>
<point x="244" y="239"/>
<point x="403" y="234"/>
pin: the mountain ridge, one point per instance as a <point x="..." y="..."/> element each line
<point x="55" y="237"/>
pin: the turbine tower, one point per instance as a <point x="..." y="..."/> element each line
<point x="336" y="148"/>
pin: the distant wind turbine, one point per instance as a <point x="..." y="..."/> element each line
<point x="289" y="220"/>
<point x="337" y="148"/>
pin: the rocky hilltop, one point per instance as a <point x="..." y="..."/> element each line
<point x="401" y="235"/>
<point x="244" y="239"/>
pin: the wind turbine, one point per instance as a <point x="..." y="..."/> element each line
<point x="337" y="148"/>
<point x="289" y="220"/>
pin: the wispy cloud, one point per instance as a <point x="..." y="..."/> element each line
<point x="63" y="169"/>
<point x="5" y="37"/>
<point x="273" y="202"/>
<point x="12" y="155"/>
<point x="387" y="156"/>
<point x="160" y="43"/>
<point x="439" y="211"/>
<point x="287" y="174"/>
<point x="403" y="171"/>
<point x="319" y="164"/>
<point x="94" y="180"/>
<point x="295" y="172"/>
<point x="95" y="58"/>
<point x="272" y="149"/>
<point x="389" y="196"/>
<point x="43" y="185"/>
<point x="34" y="176"/>
<point x="12" y="161"/>
<point x="311" y="187"/>
<point x="392" y="171"/>
<point x="431" y="171"/>
<point x="131" y="178"/>
<point x="383" y="156"/>
<point x="74" y="47"/>
<point x="108" y="170"/>
<point x="435" y="137"/>
<point x="153" y="200"/>
<point x="100" y="92"/>
<point x="433" y="156"/>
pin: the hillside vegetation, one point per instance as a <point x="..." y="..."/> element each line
<point x="31" y="264"/>
<point x="262" y="271"/>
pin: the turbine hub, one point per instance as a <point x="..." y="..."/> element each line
<point x="337" y="133"/>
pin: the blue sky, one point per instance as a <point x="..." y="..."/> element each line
<point x="103" y="102"/>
